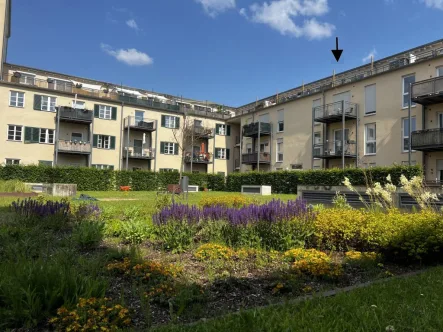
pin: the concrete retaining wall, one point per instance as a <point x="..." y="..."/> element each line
<point x="53" y="189"/>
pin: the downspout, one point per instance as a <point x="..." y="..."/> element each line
<point x="122" y="133"/>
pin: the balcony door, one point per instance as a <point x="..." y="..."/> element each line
<point x="138" y="147"/>
<point x="139" y="116"/>
<point x="338" y="140"/>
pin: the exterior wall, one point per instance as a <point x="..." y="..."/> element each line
<point x="4" y="30"/>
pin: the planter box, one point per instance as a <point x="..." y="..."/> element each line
<point x="53" y="189"/>
<point x="193" y="189"/>
<point x="258" y="190"/>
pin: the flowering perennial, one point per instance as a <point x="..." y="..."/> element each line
<point x="312" y="262"/>
<point x="273" y="211"/>
<point x="30" y="207"/>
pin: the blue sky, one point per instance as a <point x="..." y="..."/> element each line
<point x="228" y="51"/>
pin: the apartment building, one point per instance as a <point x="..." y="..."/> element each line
<point x="387" y="112"/>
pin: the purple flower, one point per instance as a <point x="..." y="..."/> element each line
<point x="29" y="207"/>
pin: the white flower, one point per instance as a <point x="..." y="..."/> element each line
<point x="373" y="306"/>
<point x="390" y="328"/>
<point x="388" y="178"/>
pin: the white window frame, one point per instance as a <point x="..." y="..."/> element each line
<point x="169" y="148"/>
<point x="403" y="93"/>
<point x="340" y="140"/>
<point x="371" y="140"/>
<point x="105" y="112"/>
<point x="48" y="103"/>
<point x="52" y="163"/>
<point x="104" y="142"/>
<point x="17" y="98"/>
<point x="142" y="115"/>
<point x="320" y="147"/>
<point x="166" y="170"/>
<point x="170" y="121"/>
<point x="375" y="101"/>
<point x="221" y="153"/>
<point x="12" y="161"/>
<point x="58" y="82"/>
<point x="403" y="136"/>
<point x="75" y="104"/>
<point x="280" y="122"/>
<point x="25" y="77"/>
<point x="278" y="152"/>
<point x="47" y="136"/>
<point x="15" y="133"/>
<point x="102" y="166"/>
<point x="437" y="71"/>
<point x="222" y="129"/>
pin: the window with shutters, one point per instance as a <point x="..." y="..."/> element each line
<point x="48" y="103"/>
<point x="15" y="133"/>
<point x="10" y="161"/>
<point x="32" y="135"/>
<point x="407" y="80"/>
<point x="47" y="136"/>
<point x="169" y="148"/>
<point x="222" y="153"/>
<point x="370" y="99"/>
<point x="17" y="99"/>
<point x="104" y="142"/>
<point x="222" y="129"/>
<point x="170" y="121"/>
<point x="405" y="132"/>
<point x="370" y="139"/>
<point x="281" y="121"/>
<point x="105" y="112"/>
<point x="280" y="150"/>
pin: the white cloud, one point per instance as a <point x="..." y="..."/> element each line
<point x="389" y="2"/>
<point x="433" y="3"/>
<point x="280" y="14"/>
<point x="215" y="7"/>
<point x="371" y="54"/>
<point x="132" y="24"/>
<point x="243" y="13"/>
<point x="131" y="56"/>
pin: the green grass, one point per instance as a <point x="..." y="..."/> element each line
<point x="409" y="304"/>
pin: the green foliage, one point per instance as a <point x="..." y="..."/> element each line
<point x="12" y="186"/>
<point x="88" y="234"/>
<point x="285" y="182"/>
<point x="176" y="236"/>
<point x="136" y="230"/>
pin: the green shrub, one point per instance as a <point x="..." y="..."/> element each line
<point x="136" y="230"/>
<point x="113" y="228"/>
<point x="11" y="186"/>
<point x="177" y="235"/>
<point x="88" y="234"/>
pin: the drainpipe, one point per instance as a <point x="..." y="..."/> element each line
<point x="155" y="149"/>
<point x="57" y="134"/>
<point x="122" y="134"/>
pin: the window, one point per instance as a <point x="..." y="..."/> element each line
<point x="279" y="169"/>
<point x="407" y="80"/>
<point x="45" y="163"/>
<point x="202" y="108"/>
<point x="101" y="166"/>
<point x="405" y="132"/>
<point x="297" y="166"/>
<point x="17" y="99"/>
<point x="164" y="170"/>
<point x="104" y="142"/>
<point x="439" y="71"/>
<point x="249" y="148"/>
<point x="370" y="139"/>
<point x="78" y="104"/>
<point x="169" y="121"/>
<point x="105" y="112"/>
<point x="318" y="111"/>
<point x="9" y="161"/>
<point x="48" y="103"/>
<point x="27" y="78"/>
<point x="60" y="85"/>
<point x="281" y="121"/>
<point x="76" y="136"/>
<point x="47" y="136"/>
<point x="221" y="153"/>
<point x="338" y="141"/>
<point x="279" y="150"/>
<point x="317" y="144"/>
<point x="222" y="129"/>
<point x="15" y="133"/>
<point x="370" y="99"/>
<point x="198" y="123"/>
<point x="139" y="116"/>
<point x="169" y="148"/>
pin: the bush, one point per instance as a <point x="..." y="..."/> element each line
<point x="229" y="201"/>
<point x="362" y="259"/>
<point x="212" y="251"/>
<point x="136" y="230"/>
<point x="88" y="234"/>
<point x="312" y="262"/>
<point x="285" y="182"/>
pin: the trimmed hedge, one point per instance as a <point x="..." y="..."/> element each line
<point x="285" y="182"/>
<point x="91" y="179"/>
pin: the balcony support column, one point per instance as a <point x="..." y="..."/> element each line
<point x="312" y="137"/>
<point x="410" y="126"/>
<point x="258" y="146"/>
<point x="127" y="144"/>
<point x="192" y="145"/>
<point x="213" y="149"/>
<point x="343" y="135"/>
<point x="155" y="149"/>
<point x="357" y="122"/>
<point x="57" y="134"/>
<point x="241" y="147"/>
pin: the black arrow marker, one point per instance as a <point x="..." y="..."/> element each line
<point x="337" y="53"/>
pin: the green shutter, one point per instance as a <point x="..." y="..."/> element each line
<point x="177" y="122"/>
<point x="162" y="144"/>
<point x="175" y="148"/>
<point x="112" y="142"/>
<point x="228" y="130"/>
<point x="114" y="114"/>
<point x="216" y="153"/>
<point x="96" y="110"/>
<point x="32" y="135"/>
<point x="28" y="134"/>
<point x="217" y="129"/>
<point x="38" y="102"/>
<point x="163" y="121"/>
<point x="94" y="140"/>
<point x="227" y="154"/>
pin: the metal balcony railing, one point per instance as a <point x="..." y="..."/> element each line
<point x="137" y="152"/>
<point x="79" y="147"/>
<point x="203" y="132"/>
<point x="75" y="114"/>
<point x="251" y="130"/>
<point x="140" y="124"/>
<point x="332" y="150"/>
<point x="427" y="140"/>
<point x="251" y="158"/>
<point x="334" y="112"/>
<point x="198" y="158"/>
<point x="428" y="92"/>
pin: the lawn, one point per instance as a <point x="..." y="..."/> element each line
<point x="406" y="304"/>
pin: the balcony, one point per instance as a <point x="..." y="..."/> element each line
<point x="138" y="124"/>
<point x="427" y="140"/>
<point x="237" y="141"/>
<point x="74" y="147"/>
<point x="252" y="129"/>
<point x="251" y="158"/>
<point x="333" y="150"/>
<point x="137" y="152"/>
<point x="198" y="158"/>
<point x="148" y="103"/>
<point x="428" y="92"/>
<point x="333" y="112"/>
<point x="202" y="132"/>
<point x="69" y="114"/>
<point x="237" y="163"/>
